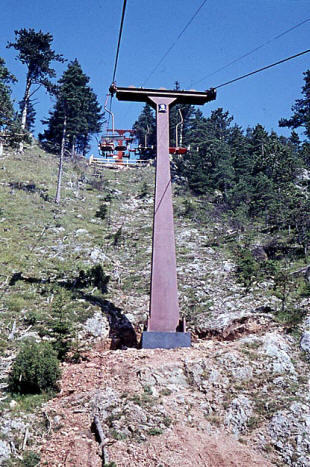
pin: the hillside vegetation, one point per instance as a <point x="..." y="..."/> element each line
<point x="76" y="276"/>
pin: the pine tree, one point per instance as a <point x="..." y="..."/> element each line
<point x="34" y="50"/>
<point x="209" y="163"/>
<point x="145" y="131"/>
<point x="305" y="154"/>
<point x="6" y="105"/>
<point x="301" y="109"/>
<point x="10" y="124"/>
<point x="145" y="126"/>
<point x="195" y="165"/>
<point x="294" y="141"/>
<point x="76" y="102"/>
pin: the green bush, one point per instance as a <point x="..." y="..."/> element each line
<point x="30" y="459"/>
<point x="143" y="191"/>
<point x="31" y="318"/>
<point x="304" y="289"/>
<point x="247" y="267"/>
<point x="36" y="369"/>
<point x="291" y="317"/>
<point x="155" y="431"/>
<point x="94" y="276"/>
<point x="102" y="211"/>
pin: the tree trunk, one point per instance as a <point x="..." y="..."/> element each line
<point x="61" y="157"/>
<point x="25" y="109"/>
<point x="85" y="146"/>
<point x="73" y="148"/>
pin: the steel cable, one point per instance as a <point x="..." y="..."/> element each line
<point x="174" y="43"/>
<point x="119" y="40"/>
<point x="251" y="51"/>
<point x="117" y="55"/>
<point x="262" y="69"/>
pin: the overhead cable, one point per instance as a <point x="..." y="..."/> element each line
<point x="116" y="56"/>
<point x="174" y="43"/>
<point x="252" y="51"/>
<point x="119" y="40"/>
<point x="262" y="69"/>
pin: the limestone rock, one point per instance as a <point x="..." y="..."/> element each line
<point x="97" y="255"/>
<point x="289" y="432"/>
<point x="79" y="232"/>
<point x="276" y="347"/>
<point x="305" y="341"/>
<point x="195" y="371"/>
<point x="170" y="376"/>
<point x="30" y="335"/>
<point x="222" y="324"/>
<point x="5" y="451"/>
<point x="239" y="412"/>
<point x="98" y="325"/>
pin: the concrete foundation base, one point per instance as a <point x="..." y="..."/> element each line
<point x="165" y="340"/>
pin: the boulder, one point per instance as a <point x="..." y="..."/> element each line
<point x="97" y="325"/>
<point x="239" y="412"/>
<point x="276" y="347"/>
<point x="305" y="341"/>
<point x="223" y="324"/>
<point x="97" y="255"/>
<point x="81" y="232"/>
<point x="5" y="451"/>
<point x="259" y="253"/>
<point x="289" y="433"/>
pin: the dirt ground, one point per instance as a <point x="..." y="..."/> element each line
<point x="70" y="441"/>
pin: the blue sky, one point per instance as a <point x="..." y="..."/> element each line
<point x="222" y="31"/>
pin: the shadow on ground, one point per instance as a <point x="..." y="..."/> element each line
<point x="122" y="332"/>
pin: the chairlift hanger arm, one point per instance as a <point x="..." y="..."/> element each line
<point x="109" y="112"/>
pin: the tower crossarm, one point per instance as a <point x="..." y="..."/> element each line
<point x="180" y="97"/>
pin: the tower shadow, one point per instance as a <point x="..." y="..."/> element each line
<point x="121" y="332"/>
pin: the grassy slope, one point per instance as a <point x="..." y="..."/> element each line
<point x="48" y="245"/>
<point x="41" y="240"/>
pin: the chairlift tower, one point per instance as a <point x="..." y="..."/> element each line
<point x="164" y="329"/>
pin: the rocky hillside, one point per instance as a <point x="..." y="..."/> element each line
<point x="77" y="274"/>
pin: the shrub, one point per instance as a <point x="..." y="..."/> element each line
<point x="16" y="303"/>
<point x="304" y="289"/>
<point x="102" y="211"/>
<point x="155" y="431"/>
<point x="31" y="318"/>
<point x="95" y="184"/>
<point x="30" y="459"/>
<point x="247" y="267"/>
<point x="94" y="276"/>
<point x="188" y="208"/>
<point x="117" y="237"/>
<point x="144" y="190"/>
<point x="36" y="369"/>
<point x="61" y="330"/>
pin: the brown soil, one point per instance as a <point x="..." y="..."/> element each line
<point x="71" y="443"/>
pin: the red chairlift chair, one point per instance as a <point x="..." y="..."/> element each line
<point x="115" y="144"/>
<point x="106" y="145"/>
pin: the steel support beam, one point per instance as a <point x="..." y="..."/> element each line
<point x="164" y="320"/>
<point x="164" y="306"/>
